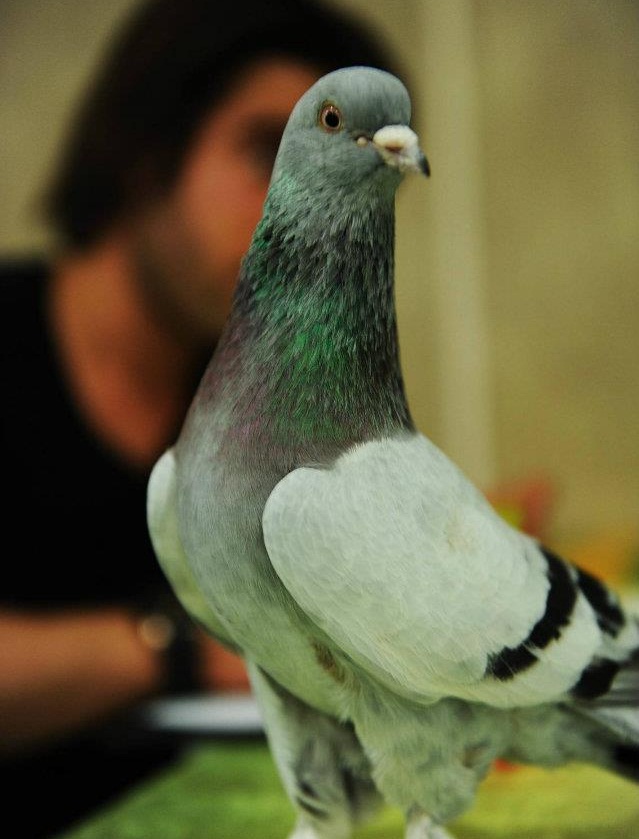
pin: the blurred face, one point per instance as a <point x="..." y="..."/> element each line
<point x="189" y="244"/>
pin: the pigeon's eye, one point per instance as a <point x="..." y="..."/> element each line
<point x="330" y="118"/>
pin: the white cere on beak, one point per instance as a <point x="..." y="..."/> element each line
<point x="399" y="147"/>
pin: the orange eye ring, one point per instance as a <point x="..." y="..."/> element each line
<point x="330" y="118"/>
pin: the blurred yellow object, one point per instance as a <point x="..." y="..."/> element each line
<point x="611" y="556"/>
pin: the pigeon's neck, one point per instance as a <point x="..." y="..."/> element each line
<point x="313" y="336"/>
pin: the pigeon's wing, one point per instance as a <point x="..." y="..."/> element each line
<point x="403" y="563"/>
<point x="162" y="522"/>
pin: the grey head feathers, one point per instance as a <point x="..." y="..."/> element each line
<point x="310" y="349"/>
<point x="337" y="149"/>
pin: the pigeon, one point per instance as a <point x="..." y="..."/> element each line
<point x="399" y="634"/>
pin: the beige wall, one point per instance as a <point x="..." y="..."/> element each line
<point x="518" y="264"/>
<point x="560" y="85"/>
<point x="557" y="148"/>
<point x="47" y="48"/>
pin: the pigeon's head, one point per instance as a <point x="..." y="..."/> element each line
<point x="350" y="128"/>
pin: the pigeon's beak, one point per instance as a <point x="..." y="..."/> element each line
<point x="399" y="148"/>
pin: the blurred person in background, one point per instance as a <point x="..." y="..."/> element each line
<point x="103" y="342"/>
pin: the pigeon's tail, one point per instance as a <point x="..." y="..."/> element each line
<point x="616" y="714"/>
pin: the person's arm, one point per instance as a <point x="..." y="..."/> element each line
<point x="222" y="670"/>
<point x="62" y="671"/>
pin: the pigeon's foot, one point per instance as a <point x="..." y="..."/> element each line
<point x="421" y="826"/>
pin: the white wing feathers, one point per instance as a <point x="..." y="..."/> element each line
<point x="404" y="564"/>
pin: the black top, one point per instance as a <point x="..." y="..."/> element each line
<point x="75" y="535"/>
<point x="76" y="511"/>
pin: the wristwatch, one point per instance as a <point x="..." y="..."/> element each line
<point x="171" y="633"/>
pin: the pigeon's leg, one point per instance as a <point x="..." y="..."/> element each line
<point x="420" y="826"/>
<point x="320" y="762"/>
<point x="426" y="760"/>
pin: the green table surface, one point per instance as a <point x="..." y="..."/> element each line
<point x="231" y="790"/>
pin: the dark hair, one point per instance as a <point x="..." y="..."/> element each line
<point x="171" y="62"/>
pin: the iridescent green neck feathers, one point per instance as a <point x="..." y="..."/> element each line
<point x="310" y="351"/>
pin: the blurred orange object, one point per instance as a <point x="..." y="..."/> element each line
<point x="525" y="503"/>
<point x="222" y="670"/>
<point x="504" y="766"/>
